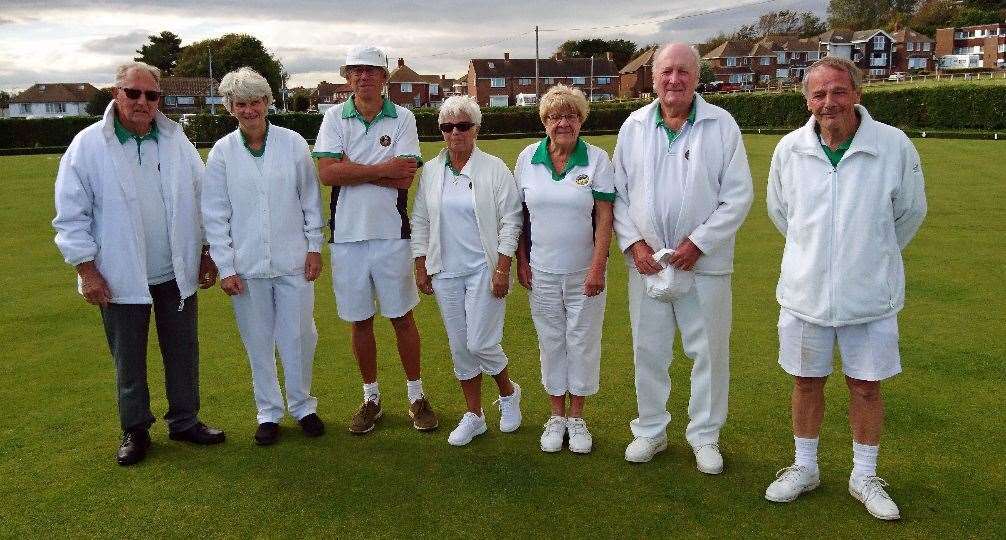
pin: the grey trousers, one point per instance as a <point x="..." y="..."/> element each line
<point x="126" y="328"/>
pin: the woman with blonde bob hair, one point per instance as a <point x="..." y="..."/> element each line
<point x="567" y="186"/>
<point x="262" y="214"/>
<point x="465" y="223"/>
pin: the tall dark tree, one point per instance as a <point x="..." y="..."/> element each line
<point x="96" y="105"/>
<point x="866" y="14"/>
<point x="933" y="14"/>
<point x="230" y="52"/>
<point x="970" y="16"/>
<point x="623" y="50"/>
<point x="4" y="100"/>
<point x="162" y="52"/>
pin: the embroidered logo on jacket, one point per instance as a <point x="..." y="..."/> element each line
<point x="385" y="140"/>
<point x="582" y="180"/>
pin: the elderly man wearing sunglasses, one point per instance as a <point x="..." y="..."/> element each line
<point x="127" y="218"/>
<point x="465" y="223"/>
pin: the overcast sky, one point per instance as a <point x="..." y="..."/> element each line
<point x="83" y="41"/>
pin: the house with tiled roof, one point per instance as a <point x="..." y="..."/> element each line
<point x="52" y="100"/>
<point x="913" y="51"/>
<point x="982" y="45"/>
<point x="410" y="89"/>
<point x="742" y="62"/>
<point x="496" y="82"/>
<point x="871" y="50"/>
<point x="327" y="94"/>
<point x="793" y="55"/>
<point x="635" y="79"/>
<point x="185" y="95"/>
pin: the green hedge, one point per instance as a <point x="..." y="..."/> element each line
<point x="950" y="107"/>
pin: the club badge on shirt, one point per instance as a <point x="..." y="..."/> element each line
<point x="385" y="140"/>
<point x="583" y="180"/>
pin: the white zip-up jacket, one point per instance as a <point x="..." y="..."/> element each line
<point x="717" y="186"/>
<point x="497" y="208"/>
<point x="98" y="213"/>
<point x="845" y="226"/>
<point x="262" y="224"/>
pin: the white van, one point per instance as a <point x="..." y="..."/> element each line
<point x="524" y="100"/>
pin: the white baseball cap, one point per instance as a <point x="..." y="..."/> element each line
<point x="365" y="55"/>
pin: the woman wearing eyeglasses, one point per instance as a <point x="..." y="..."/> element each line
<point x="567" y="186"/>
<point x="262" y="215"/>
<point x="465" y="222"/>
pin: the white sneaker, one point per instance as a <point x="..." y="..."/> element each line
<point x="870" y="491"/>
<point x="551" y="437"/>
<point x="470" y="426"/>
<point x="510" y="410"/>
<point x="642" y="449"/>
<point x="708" y="458"/>
<point x="580" y="440"/>
<point x="791" y="482"/>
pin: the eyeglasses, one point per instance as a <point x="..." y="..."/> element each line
<point x="133" y="93"/>
<point x="572" y="117"/>
<point x="448" y="127"/>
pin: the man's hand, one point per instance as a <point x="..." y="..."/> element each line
<point x="685" y="255"/>
<point x="524" y="273"/>
<point x="594" y="282"/>
<point x="400" y="167"/>
<point x="423" y="281"/>
<point x="93" y="284"/>
<point x="642" y="256"/>
<point x="207" y="271"/>
<point x="312" y="266"/>
<point x="232" y="285"/>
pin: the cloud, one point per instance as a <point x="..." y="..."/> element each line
<point x="117" y="45"/>
<point x="5" y="20"/>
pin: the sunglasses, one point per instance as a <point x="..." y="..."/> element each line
<point x="448" y="127"/>
<point x="151" y="95"/>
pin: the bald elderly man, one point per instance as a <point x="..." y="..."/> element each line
<point x="683" y="188"/>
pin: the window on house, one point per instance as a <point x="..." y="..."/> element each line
<point x="765" y="78"/>
<point x="579" y="80"/>
<point x="878" y="42"/>
<point x="765" y="60"/>
<point x="55" y="108"/>
<point x="910" y="46"/>
<point x="25" y="108"/>
<point x="604" y="80"/>
<point x="916" y="63"/>
<point x="813" y="56"/>
<point x="780" y="57"/>
<point x="549" y="80"/>
<point x="524" y="81"/>
<point x="878" y="72"/>
<point x="782" y="73"/>
<point x="731" y="61"/>
<point x="186" y="100"/>
<point x="434" y="89"/>
<point x="170" y="101"/>
<point x="925" y="46"/>
<point x="497" y="82"/>
<point x="499" y="101"/>
<point x="405" y="87"/>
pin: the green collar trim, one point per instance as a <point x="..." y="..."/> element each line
<point x="451" y="167"/>
<point x="123" y="134"/>
<point x="387" y="110"/>
<point x="265" y="140"/>
<point x="577" y="159"/>
<point x="834" y="156"/>
<point x="671" y="134"/>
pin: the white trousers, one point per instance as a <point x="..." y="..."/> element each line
<point x="703" y="318"/>
<point x="278" y="313"/>
<point x="473" y="319"/>
<point x="569" y="332"/>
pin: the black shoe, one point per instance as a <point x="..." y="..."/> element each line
<point x="134" y="447"/>
<point x="267" y="433"/>
<point x="312" y="425"/>
<point x="199" y="434"/>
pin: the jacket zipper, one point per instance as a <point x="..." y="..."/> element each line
<point x="832" y="279"/>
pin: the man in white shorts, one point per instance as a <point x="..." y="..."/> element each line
<point x="368" y="151"/>
<point x="847" y="193"/>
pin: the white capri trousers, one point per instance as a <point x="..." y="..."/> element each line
<point x="569" y="332"/>
<point x="370" y="270"/>
<point x="703" y="317"/>
<point x="869" y="350"/>
<point x="278" y="313"/>
<point x="473" y="319"/>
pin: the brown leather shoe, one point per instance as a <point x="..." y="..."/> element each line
<point x="423" y="417"/>
<point x="365" y="418"/>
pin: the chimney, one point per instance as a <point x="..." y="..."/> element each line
<point x="401" y="62"/>
<point x="610" y="56"/>
<point x="506" y="57"/>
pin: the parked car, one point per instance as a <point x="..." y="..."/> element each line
<point x="897" y="76"/>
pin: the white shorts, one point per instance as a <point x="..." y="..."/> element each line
<point x="869" y="350"/>
<point x="370" y="270"/>
<point x="473" y="318"/>
<point x="569" y="332"/>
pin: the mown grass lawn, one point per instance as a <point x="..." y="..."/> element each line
<point x="943" y="451"/>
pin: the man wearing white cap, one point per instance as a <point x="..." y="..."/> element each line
<point x="368" y="151"/>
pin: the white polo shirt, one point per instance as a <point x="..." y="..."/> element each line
<point x="671" y="151"/>
<point x="460" y="242"/>
<point x="365" y="211"/>
<point x="561" y="204"/>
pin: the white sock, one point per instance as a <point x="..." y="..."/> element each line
<point x="415" y="389"/>
<point x="864" y="460"/>
<point x="371" y="392"/>
<point x="806" y="452"/>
